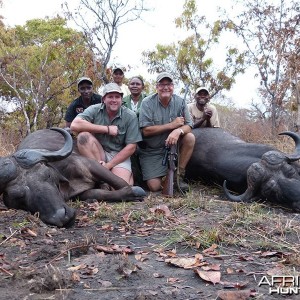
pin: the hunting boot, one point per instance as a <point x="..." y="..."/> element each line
<point x="182" y="186"/>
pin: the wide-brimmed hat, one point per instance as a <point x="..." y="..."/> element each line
<point x="111" y="88"/>
<point x="81" y="79"/>
<point x="163" y="75"/>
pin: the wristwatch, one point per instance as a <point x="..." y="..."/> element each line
<point x="181" y="131"/>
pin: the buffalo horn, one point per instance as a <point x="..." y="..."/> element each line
<point x="29" y="157"/>
<point x="295" y="156"/>
<point x="245" y="197"/>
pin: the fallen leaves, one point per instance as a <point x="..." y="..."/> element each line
<point x="112" y="249"/>
<point x="209" y="276"/>
<point x="234" y="285"/>
<point x="28" y="231"/>
<point x="161" y="209"/>
<point x="186" y="262"/>
<point x="141" y="256"/>
<point x="235" y="295"/>
<point x="173" y="280"/>
<point x="211" y="250"/>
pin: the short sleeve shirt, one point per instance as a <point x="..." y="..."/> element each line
<point x="127" y="101"/>
<point x="78" y="106"/>
<point x="152" y="112"/>
<point x="126" y="120"/>
<point x="197" y="114"/>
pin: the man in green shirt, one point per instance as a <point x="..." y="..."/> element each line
<point x="164" y="120"/>
<point x="108" y="133"/>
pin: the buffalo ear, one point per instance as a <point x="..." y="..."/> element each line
<point x="64" y="186"/>
<point x="63" y="183"/>
<point x="8" y="171"/>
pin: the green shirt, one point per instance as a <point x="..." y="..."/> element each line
<point x="127" y="123"/>
<point x="152" y="112"/>
<point x="127" y="102"/>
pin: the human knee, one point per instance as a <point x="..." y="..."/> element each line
<point x="154" y="185"/>
<point x="189" y="139"/>
<point x="84" y="138"/>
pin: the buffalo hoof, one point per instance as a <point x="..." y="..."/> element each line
<point x="138" y="191"/>
<point x="136" y="194"/>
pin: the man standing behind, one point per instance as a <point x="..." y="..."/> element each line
<point x="203" y="113"/>
<point x="118" y="78"/>
<point x="165" y="121"/>
<point x="87" y="98"/>
<point x="108" y="133"/>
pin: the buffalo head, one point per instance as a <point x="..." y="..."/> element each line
<point x="27" y="182"/>
<point x="275" y="178"/>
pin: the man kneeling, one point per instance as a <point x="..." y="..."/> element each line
<point x="108" y="133"/>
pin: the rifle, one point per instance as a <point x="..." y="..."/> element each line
<point x="170" y="157"/>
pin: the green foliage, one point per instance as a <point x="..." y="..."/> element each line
<point x="190" y="59"/>
<point x="40" y="62"/>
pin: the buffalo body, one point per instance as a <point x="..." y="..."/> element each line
<point x="47" y="170"/>
<point x="264" y="172"/>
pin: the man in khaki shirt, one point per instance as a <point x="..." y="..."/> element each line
<point x="203" y="113"/>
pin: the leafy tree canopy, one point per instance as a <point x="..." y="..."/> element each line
<point x="192" y="59"/>
<point x="40" y="62"/>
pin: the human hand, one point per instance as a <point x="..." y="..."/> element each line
<point x="173" y="137"/>
<point x="207" y="113"/>
<point x="178" y="122"/>
<point x="105" y="164"/>
<point x="112" y="130"/>
<point x="102" y="162"/>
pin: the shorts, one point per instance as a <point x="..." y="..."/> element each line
<point x="125" y="164"/>
<point x="151" y="161"/>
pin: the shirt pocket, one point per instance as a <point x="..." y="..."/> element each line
<point x="157" y="121"/>
<point x="120" y="137"/>
<point x="172" y="117"/>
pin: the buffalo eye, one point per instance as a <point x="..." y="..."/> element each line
<point x="16" y="197"/>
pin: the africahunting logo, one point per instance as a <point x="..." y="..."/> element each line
<point x="282" y="285"/>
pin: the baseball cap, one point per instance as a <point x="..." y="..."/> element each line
<point x="118" y="67"/>
<point x="202" y="88"/>
<point x="81" y="79"/>
<point x="111" y="88"/>
<point x="163" y="75"/>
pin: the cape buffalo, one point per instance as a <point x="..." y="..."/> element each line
<point x="264" y="172"/>
<point x="44" y="172"/>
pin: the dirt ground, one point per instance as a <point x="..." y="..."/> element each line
<point x="196" y="247"/>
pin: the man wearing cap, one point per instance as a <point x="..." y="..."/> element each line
<point x="87" y="98"/>
<point x="108" y="133"/>
<point x="203" y="113"/>
<point x="164" y="120"/>
<point x="118" y="78"/>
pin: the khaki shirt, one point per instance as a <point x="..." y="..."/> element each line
<point x="197" y="114"/>
<point x="152" y="112"/>
<point x="126" y="120"/>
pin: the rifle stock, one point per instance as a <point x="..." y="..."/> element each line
<point x="168" y="188"/>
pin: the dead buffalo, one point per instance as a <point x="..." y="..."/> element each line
<point x="264" y="172"/>
<point x="45" y="171"/>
